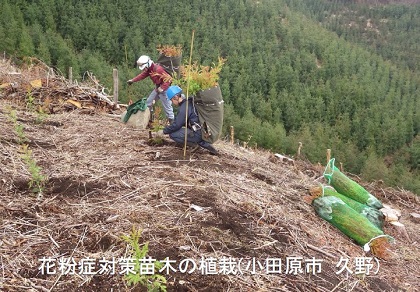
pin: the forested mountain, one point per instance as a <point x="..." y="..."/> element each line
<point x="330" y="74"/>
<point x="390" y="31"/>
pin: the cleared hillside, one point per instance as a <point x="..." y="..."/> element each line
<point x="238" y="210"/>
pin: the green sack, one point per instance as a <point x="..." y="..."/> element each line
<point x="139" y="105"/>
<point x="352" y="224"/>
<point x="372" y="214"/>
<point x="209" y="105"/>
<point x="346" y="186"/>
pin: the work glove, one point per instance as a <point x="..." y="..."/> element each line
<point x="160" y="90"/>
<point x="129" y="82"/>
<point x="160" y="133"/>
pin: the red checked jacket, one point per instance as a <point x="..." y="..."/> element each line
<point x="158" y="75"/>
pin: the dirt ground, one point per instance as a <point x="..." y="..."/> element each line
<point x="239" y="217"/>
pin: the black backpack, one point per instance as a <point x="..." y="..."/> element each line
<point x="170" y="64"/>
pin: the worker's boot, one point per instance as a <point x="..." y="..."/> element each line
<point x="209" y="147"/>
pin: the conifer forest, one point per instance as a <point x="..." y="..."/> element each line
<point x="339" y="75"/>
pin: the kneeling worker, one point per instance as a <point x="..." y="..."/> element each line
<point x="176" y="130"/>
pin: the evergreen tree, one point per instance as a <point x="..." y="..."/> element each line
<point x="26" y="46"/>
<point x="10" y="28"/>
<point x="374" y="167"/>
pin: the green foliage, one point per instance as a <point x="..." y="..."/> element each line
<point x="9" y="22"/>
<point x="414" y="152"/>
<point x="349" y="156"/>
<point x="30" y="101"/>
<point x="400" y="175"/>
<point x="309" y="66"/>
<point x="315" y="139"/>
<point x="393" y="31"/>
<point x="26" y="46"/>
<point x="374" y="168"/>
<point x="271" y="137"/>
<point x="12" y="115"/>
<point x="153" y="282"/>
<point x="19" y="128"/>
<point x="199" y="77"/>
<point x="37" y="180"/>
<point x="41" y="115"/>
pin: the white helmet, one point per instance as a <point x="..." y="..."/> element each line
<point x="144" y="62"/>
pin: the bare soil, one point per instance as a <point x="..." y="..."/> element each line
<point x="103" y="178"/>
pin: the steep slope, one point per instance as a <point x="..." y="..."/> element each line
<point x="230" y="214"/>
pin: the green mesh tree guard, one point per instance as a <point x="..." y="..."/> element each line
<point x="372" y="214"/>
<point x="348" y="187"/>
<point x="352" y="224"/>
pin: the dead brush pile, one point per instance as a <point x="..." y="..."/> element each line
<point x="43" y="88"/>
